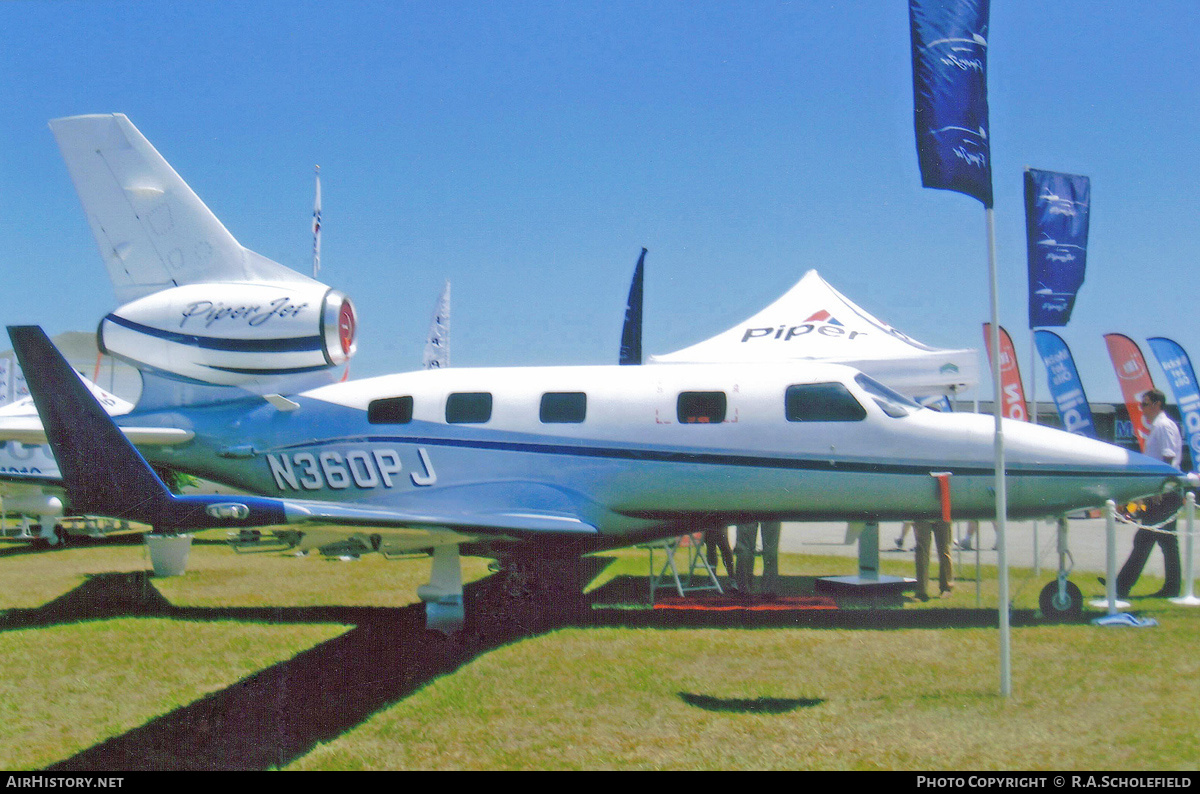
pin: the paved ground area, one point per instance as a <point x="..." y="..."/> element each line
<point x="1086" y="541"/>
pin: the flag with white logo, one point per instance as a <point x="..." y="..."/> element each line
<point x="949" y="56"/>
<point x="1182" y="380"/>
<point x="6" y="365"/>
<point x="437" y="343"/>
<point x="1134" y="378"/>
<point x="1010" y="375"/>
<point x="1056" y="231"/>
<point x="1065" y="385"/>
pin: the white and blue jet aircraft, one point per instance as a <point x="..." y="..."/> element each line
<point x="241" y="360"/>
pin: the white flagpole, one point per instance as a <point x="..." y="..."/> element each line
<point x="1001" y="490"/>
<point x="1037" y="559"/>
<point x="316" y="225"/>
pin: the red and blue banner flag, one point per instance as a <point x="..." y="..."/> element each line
<point x="1010" y="375"/>
<point x="1134" y="379"/>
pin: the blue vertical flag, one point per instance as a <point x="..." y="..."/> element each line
<point x="631" y="333"/>
<point x="949" y="54"/>
<point x="1182" y="378"/>
<point x="1065" y="386"/>
<point x="1056" y="230"/>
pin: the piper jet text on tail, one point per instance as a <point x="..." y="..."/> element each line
<point x="537" y="460"/>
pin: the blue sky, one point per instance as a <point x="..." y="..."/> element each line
<point x="528" y="150"/>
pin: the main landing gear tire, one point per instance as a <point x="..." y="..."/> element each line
<point x="1054" y="607"/>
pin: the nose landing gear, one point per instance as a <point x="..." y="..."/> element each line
<point x="1062" y="598"/>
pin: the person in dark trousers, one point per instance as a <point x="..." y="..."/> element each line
<point x="1164" y="443"/>
<point x="718" y="540"/>
<point x="747" y="540"/>
<point x="928" y="533"/>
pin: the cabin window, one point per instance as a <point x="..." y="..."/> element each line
<point x="473" y="407"/>
<point x="822" y="402"/>
<point x="390" y="411"/>
<point x="563" y="407"/>
<point x="891" y="402"/>
<point x="701" y="407"/>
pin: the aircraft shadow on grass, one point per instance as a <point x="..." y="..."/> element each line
<point x="760" y="705"/>
<point x="282" y="712"/>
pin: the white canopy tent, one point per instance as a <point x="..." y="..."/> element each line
<point x="813" y="321"/>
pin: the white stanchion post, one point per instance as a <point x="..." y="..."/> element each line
<point x="978" y="566"/>
<point x="1189" y="599"/>
<point x="1110" y="534"/>
<point x="1110" y="588"/>
<point x="1037" y="557"/>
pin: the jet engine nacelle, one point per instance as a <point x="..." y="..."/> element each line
<point x="232" y="333"/>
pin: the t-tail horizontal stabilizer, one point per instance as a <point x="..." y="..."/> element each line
<point x="102" y="471"/>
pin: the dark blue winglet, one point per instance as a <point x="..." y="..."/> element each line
<point x="102" y="471"/>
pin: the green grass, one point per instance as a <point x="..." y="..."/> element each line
<point x="624" y="699"/>
<point x="66" y="688"/>
<point x="614" y="697"/>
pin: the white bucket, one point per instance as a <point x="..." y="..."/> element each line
<point x="169" y="553"/>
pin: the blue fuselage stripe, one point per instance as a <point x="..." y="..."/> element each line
<point x="709" y="458"/>
<point x="297" y="344"/>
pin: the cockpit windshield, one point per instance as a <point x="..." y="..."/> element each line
<point x="892" y="402"/>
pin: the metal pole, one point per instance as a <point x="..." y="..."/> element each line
<point x="1037" y="557"/>
<point x="1110" y="602"/>
<point x="1001" y="490"/>
<point x="978" y="566"/>
<point x="1110" y="530"/>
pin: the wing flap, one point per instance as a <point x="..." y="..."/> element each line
<point x="482" y="523"/>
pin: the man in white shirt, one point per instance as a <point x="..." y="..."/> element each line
<point x="1164" y="443"/>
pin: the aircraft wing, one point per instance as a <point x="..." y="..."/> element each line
<point x="19" y="421"/>
<point x="29" y="430"/>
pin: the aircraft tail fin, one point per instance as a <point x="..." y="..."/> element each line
<point x="195" y="304"/>
<point x="102" y="471"/>
<point x="100" y="468"/>
<point x="153" y="231"/>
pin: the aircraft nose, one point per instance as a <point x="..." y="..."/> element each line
<point x="1055" y="471"/>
